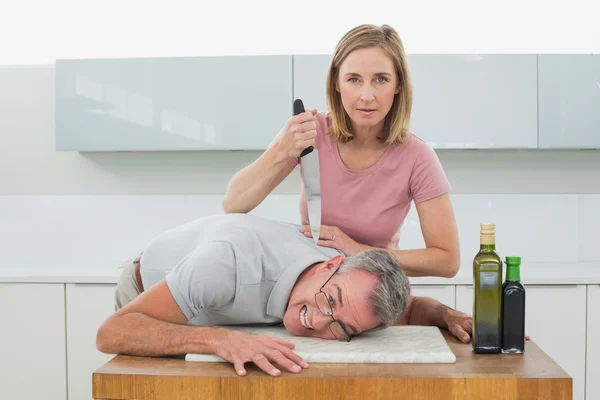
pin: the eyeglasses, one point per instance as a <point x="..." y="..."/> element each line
<point x="325" y="307"/>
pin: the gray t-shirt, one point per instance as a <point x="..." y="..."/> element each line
<point x="231" y="269"/>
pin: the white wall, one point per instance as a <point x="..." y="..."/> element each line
<point x="135" y="28"/>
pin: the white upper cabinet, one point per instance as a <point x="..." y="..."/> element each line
<point x="310" y="79"/>
<point x="195" y="103"/>
<point x="479" y="101"/>
<point x="459" y="101"/>
<point x="474" y="101"/>
<point x="569" y="101"/>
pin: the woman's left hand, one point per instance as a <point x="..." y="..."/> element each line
<point x="332" y="236"/>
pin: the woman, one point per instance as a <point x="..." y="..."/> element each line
<point x="372" y="167"/>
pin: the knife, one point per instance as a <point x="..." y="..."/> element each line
<point x="311" y="176"/>
<point x="299" y="109"/>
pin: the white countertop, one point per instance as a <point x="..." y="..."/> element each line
<point x="557" y="273"/>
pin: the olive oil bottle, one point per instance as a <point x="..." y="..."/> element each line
<point x="487" y="288"/>
<point x="513" y="308"/>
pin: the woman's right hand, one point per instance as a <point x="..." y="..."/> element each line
<point x="298" y="133"/>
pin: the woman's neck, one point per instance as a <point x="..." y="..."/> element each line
<point x="367" y="137"/>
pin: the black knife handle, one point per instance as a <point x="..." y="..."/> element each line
<point x="299" y="109"/>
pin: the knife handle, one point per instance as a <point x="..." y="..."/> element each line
<point x="299" y="109"/>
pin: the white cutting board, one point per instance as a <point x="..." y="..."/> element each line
<point x="397" y="344"/>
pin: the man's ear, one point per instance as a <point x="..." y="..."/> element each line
<point x="329" y="265"/>
<point x="334" y="262"/>
<point x="338" y="260"/>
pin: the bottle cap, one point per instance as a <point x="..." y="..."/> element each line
<point x="487" y="229"/>
<point x="513" y="260"/>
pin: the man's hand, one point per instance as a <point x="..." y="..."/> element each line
<point x="240" y="347"/>
<point x="459" y="324"/>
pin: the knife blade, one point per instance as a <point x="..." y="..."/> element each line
<point x="311" y="176"/>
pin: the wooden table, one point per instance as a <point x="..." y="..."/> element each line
<point x="532" y="375"/>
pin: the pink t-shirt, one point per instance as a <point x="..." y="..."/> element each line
<point x="370" y="205"/>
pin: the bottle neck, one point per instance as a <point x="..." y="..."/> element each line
<point x="513" y="272"/>
<point x="487" y="247"/>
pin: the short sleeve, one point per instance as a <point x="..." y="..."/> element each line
<point x="205" y="279"/>
<point x="428" y="179"/>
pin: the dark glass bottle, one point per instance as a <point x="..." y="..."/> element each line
<point x="487" y="299"/>
<point x="513" y="308"/>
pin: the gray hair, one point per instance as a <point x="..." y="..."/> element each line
<point x="390" y="297"/>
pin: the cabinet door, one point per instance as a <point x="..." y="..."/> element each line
<point x="475" y="101"/>
<point x="32" y="341"/>
<point x="460" y="101"/>
<point x="569" y="103"/>
<point x="592" y="381"/>
<point x="444" y="294"/>
<point x="181" y="103"/>
<point x="88" y="305"/>
<point x="310" y="79"/>
<point x="555" y="319"/>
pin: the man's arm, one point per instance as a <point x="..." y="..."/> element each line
<point x="426" y="311"/>
<point x="154" y="325"/>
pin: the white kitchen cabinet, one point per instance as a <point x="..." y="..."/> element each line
<point x="445" y="294"/>
<point x="555" y="319"/>
<point x="310" y="80"/>
<point x="88" y="305"/>
<point x="475" y="101"/>
<point x="592" y="382"/>
<point x="172" y="103"/>
<point x="32" y="341"/>
<point x="569" y="101"/>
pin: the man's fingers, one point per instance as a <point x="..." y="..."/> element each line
<point x="295" y="358"/>
<point x="261" y="362"/>
<point x="238" y="365"/>
<point x="284" y="361"/>
<point x="285" y="343"/>
<point x="460" y="333"/>
<point x="469" y="326"/>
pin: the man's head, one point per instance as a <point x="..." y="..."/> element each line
<point x="362" y="292"/>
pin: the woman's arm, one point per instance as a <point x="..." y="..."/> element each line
<point x="250" y="186"/>
<point x="441" y="255"/>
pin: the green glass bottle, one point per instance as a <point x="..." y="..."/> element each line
<point x="487" y="288"/>
<point x="513" y="308"/>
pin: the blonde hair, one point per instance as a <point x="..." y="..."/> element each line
<point x="397" y="120"/>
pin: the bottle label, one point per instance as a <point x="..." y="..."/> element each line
<point x="488" y="279"/>
<point x="488" y="276"/>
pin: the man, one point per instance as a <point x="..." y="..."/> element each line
<point x="240" y="269"/>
